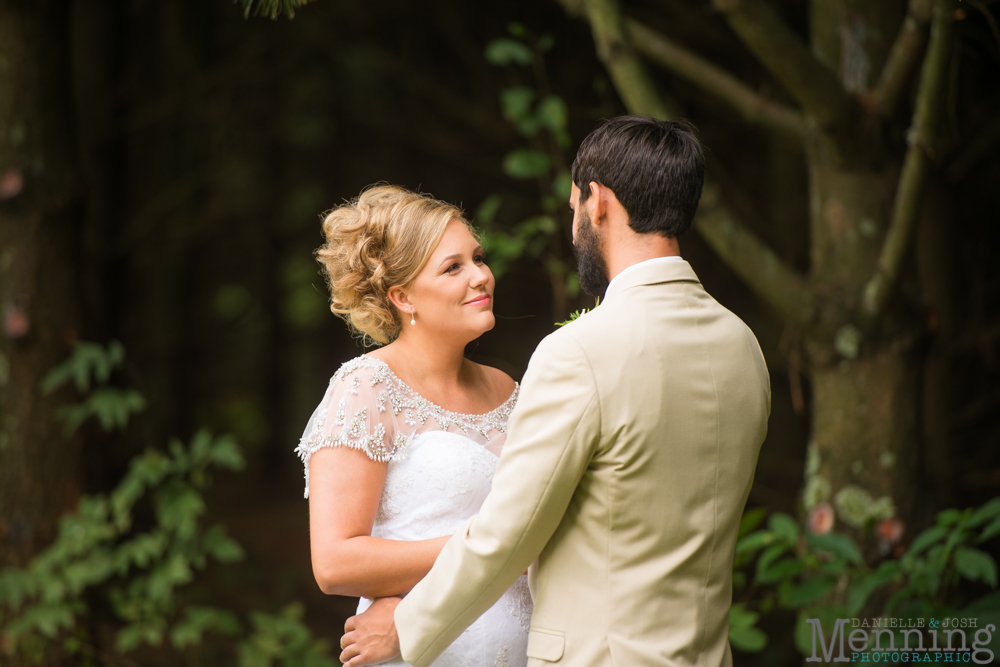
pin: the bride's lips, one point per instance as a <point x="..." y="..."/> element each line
<point x="480" y="300"/>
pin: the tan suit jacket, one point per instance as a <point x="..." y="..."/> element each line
<point x="626" y="469"/>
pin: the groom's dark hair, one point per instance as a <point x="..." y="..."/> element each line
<point x="655" y="168"/>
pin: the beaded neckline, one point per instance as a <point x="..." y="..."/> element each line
<point x="502" y="410"/>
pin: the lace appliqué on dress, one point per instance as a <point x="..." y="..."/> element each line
<point x="363" y="427"/>
<point x="518" y="602"/>
<point x="389" y="506"/>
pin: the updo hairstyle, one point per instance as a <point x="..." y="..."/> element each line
<point x="379" y="240"/>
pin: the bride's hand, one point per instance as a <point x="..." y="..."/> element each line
<point x="370" y="638"/>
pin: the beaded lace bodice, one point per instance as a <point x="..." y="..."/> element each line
<point x="440" y="467"/>
<point x="376" y="412"/>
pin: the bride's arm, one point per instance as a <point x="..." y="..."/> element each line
<point x="345" y="488"/>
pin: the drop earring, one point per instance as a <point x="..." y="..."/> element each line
<point x="412" y="320"/>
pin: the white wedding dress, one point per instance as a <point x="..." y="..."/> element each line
<point x="440" y="469"/>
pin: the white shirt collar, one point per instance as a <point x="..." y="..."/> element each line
<point x="655" y="260"/>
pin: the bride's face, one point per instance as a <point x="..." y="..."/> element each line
<point x="453" y="293"/>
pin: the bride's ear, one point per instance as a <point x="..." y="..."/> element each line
<point x="400" y="299"/>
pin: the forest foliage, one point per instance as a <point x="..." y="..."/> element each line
<point x="127" y="562"/>
<point x="210" y="149"/>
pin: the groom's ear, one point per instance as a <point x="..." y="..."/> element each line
<point x="597" y="202"/>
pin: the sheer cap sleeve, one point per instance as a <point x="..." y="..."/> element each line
<point x="368" y="408"/>
<point x="356" y="413"/>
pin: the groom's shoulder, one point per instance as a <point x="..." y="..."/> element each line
<point x="580" y="334"/>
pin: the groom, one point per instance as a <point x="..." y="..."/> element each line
<point x="629" y="455"/>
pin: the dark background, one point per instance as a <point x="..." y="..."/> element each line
<point x="209" y="145"/>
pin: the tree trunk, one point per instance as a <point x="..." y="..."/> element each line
<point x="863" y="451"/>
<point x="39" y="246"/>
<point x="863" y="455"/>
<point x="864" y="448"/>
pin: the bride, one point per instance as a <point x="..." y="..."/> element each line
<point x="400" y="452"/>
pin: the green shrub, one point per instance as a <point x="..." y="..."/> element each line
<point x="99" y="554"/>
<point x="825" y="576"/>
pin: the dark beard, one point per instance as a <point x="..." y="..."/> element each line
<point x="590" y="265"/>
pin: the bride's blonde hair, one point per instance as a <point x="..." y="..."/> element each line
<point x="379" y="240"/>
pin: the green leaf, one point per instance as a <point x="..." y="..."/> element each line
<point x="131" y="636"/>
<point x="991" y="510"/>
<point x="751" y="519"/>
<point x="46" y="618"/>
<point x="784" y="526"/>
<point x="754" y="541"/>
<point x="96" y="568"/>
<point x="15" y="586"/>
<point x="575" y="315"/>
<point x="552" y="113"/>
<point x="572" y="285"/>
<point x="53" y="590"/>
<point x="144" y="471"/>
<point x="836" y="565"/>
<point x="948" y="517"/>
<point x="113" y="406"/>
<point x="197" y="620"/>
<point x="925" y="539"/>
<point x="517" y="30"/>
<point x="780" y="571"/>
<point x="85" y="360"/>
<point x="867" y="583"/>
<point x="178" y="508"/>
<point x="837" y="544"/>
<point x="220" y="546"/>
<point x="226" y="453"/>
<point x="748" y="640"/>
<point x="892" y="604"/>
<point x="487" y="211"/>
<point x="168" y="574"/>
<point x="516" y="103"/>
<point x="990" y="531"/>
<point x="526" y="163"/>
<point x="743" y="634"/>
<point x="528" y="126"/>
<point x="200" y="447"/>
<point x="505" y="51"/>
<point x="771" y="554"/>
<point x="807" y="592"/>
<point x="541" y="223"/>
<point x="62" y="374"/>
<point x="976" y="565"/>
<point x="562" y="186"/>
<point x="141" y="550"/>
<point x="283" y="638"/>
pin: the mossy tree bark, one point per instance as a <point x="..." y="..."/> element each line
<point x="39" y="246"/>
<point x="861" y="332"/>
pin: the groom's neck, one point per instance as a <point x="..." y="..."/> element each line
<point x="625" y="247"/>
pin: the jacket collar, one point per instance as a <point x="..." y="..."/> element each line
<point x="652" y="274"/>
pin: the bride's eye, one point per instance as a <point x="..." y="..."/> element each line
<point x="452" y="268"/>
<point x="479" y="259"/>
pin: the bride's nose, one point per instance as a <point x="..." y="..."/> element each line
<point x="480" y="276"/>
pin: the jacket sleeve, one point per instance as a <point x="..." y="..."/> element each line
<point x="552" y="436"/>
